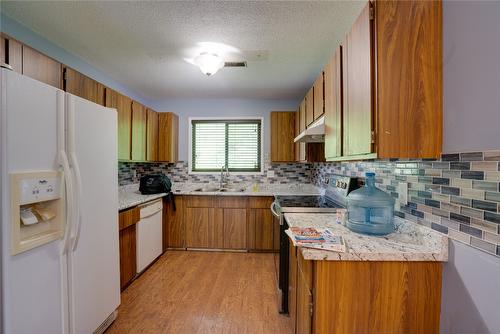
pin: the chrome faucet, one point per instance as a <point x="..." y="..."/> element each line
<point x="224" y="177"/>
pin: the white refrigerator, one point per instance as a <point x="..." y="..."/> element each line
<point x="59" y="275"/>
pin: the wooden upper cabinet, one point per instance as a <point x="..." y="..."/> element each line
<point x="152" y="136"/>
<point x="399" y="112"/>
<point x="302" y="127"/>
<point x="282" y="135"/>
<point x="358" y="86"/>
<point x="333" y="106"/>
<point x="42" y="68"/>
<point x="310" y="107"/>
<point x="302" y="115"/>
<point x="123" y="106"/>
<point x="3" y="49"/>
<point x="12" y="53"/>
<point x="318" y="97"/>
<point x="80" y="85"/>
<point x="139" y="118"/>
<point x="409" y="78"/>
<point x="297" y="132"/>
<point x="168" y="137"/>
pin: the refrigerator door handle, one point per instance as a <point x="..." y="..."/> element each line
<point x="70" y="200"/>
<point x="77" y="200"/>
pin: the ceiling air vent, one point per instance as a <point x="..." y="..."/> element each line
<point x="235" y="64"/>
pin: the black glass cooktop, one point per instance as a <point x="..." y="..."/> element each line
<point x="305" y="202"/>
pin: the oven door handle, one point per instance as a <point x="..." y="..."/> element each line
<point x="273" y="210"/>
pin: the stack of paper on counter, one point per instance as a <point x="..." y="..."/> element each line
<point x="317" y="238"/>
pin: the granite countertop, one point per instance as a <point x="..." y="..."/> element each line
<point x="266" y="189"/>
<point x="410" y="241"/>
<point x="129" y="195"/>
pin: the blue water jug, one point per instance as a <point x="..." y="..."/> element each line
<point x="370" y="210"/>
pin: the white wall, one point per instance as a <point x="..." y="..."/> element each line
<point x="186" y="108"/>
<point x="471" y="292"/>
<point x="471" y="65"/>
<point x="471" y="73"/>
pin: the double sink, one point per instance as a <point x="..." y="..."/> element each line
<point x="223" y="189"/>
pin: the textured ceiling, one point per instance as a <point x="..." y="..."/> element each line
<point x="143" y="44"/>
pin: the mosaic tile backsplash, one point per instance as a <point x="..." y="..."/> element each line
<point x="178" y="172"/>
<point x="458" y="195"/>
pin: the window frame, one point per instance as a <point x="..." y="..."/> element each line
<point x="223" y="119"/>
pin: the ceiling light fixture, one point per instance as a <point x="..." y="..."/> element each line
<point x="209" y="63"/>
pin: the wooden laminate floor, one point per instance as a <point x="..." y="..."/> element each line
<point x="203" y="292"/>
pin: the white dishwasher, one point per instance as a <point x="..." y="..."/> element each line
<point x="149" y="234"/>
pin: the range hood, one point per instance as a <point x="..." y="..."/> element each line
<point x="315" y="133"/>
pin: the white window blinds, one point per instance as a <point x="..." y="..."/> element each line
<point x="232" y="143"/>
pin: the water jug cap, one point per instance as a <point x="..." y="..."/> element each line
<point x="369" y="174"/>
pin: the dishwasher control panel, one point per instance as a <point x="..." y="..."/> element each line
<point x="151" y="208"/>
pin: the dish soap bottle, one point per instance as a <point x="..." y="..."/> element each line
<point x="370" y="210"/>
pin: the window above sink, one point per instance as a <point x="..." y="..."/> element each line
<point x="215" y="143"/>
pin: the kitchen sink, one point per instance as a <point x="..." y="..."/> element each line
<point x="215" y="189"/>
<point x="207" y="189"/>
<point x="232" y="190"/>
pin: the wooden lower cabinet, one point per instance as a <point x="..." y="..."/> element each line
<point x="260" y="229"/>
<point x="364" y="296"/>
<point x="204" y="228"/>
<point x="292" y="286"/>
<point x="235" y="228"/>
<point x="174" y="232"/>
<point x="128" y="260"/>
<point x="304" y="295"/>
<point x="304" y="306"/>
<point x="223" y="222"/>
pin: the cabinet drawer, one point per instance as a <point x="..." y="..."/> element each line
<point x="128" y="217"/>
<point x="260" y="202"/>
<point x="231" y="202"/>
<point x="199" y="201"/>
